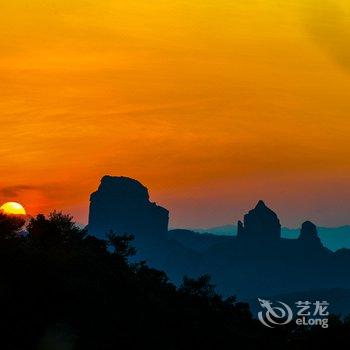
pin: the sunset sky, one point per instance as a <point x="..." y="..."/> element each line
<point x="212" y="104"/>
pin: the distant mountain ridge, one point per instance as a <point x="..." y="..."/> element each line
<point x="333" y="238"/>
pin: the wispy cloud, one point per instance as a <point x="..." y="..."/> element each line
<point x="15" y="191"/>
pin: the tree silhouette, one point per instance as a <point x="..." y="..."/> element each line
<point x="57" y="227"/>
<point x="10" y="225"/>
<point x="62" y="287"/>
<point x="201" y="286"/>
<point x="121" y="244"/>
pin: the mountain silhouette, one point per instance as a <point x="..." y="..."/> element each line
<point x="333" y="238"/>
<point x="260" y="224"/>
<point x="256" y="262"/>
<point x="122" y="204"/>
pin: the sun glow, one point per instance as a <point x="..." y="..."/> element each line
<point x="13" y="208"/>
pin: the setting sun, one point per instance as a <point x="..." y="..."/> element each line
<point x="13" y="208"/>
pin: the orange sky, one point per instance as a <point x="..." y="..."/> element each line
<point x="213" y="104"/>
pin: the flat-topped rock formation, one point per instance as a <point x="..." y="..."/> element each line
<point x="122" y="204"/>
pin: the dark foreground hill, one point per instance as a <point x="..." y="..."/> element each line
<point x="61" y="289"/>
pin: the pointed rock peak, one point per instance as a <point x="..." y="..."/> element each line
<point x="262" y="209"/>
<point x="261" y="204"/>
<point x="260" y="222"/>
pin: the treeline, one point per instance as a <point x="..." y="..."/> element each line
<point x="61" y="288"/>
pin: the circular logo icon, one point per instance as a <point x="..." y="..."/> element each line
<point x="274" y="315"/>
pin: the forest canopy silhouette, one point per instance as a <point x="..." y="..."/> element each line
<point x="61" y="288"/>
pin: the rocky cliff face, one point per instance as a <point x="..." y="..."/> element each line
<point x="261" y="223"/>
<point x="122" y="204"/>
